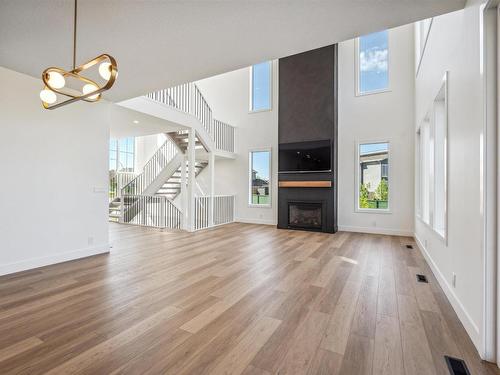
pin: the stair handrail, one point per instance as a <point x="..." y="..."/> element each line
<point x="153" y="167"/>
<point x="189" y="99"/>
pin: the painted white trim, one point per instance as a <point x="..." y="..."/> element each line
<point x="29" y="264"/>
<point x="250" y="168"/>
<point x="491" y="311"/>
<point x="463" y="315"/>
<point x="421" y="52"/>
<point x="357" y="176"/>
<point x="254" y="221"/>
<point x="375" y="230"/>
<point x="429" y="123"/>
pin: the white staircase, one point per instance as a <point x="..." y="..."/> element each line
<point x="172" y="187"/>
<point x="148" y="199"/>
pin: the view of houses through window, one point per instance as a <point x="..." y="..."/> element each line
<point x="260" y="168"/>
<point x="373" y="63"/>
<point x="373" y="176"/>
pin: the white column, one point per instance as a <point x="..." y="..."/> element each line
<point x="183" y="193"/>
<point x="191" y="178"/>
<point x="211" y="191"/>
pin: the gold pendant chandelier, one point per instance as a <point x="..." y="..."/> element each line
<point x="83" y="88"/>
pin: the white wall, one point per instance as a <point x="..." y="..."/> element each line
<point x="51" y="163"/>
<point x="386" y="116"/>
<point x="228" y="96"/>
<point x="360" y="119"/>
<point x="454" y="46"/>
<point x="145" y="148"/>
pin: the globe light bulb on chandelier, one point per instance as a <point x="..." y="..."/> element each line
<point x="54" y="79"/>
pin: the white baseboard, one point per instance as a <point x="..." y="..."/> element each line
<point x="254" y="221"/>
<point x="463" y="315"/>
<point x="375" y="230"/>
<point x="29" y="264"/>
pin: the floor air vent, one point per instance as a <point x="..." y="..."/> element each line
<point x="456" y="366"/>
<point x="409" y="246"/>
<point x="422" y="278"/>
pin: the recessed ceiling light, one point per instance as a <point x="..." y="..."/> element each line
<point x="136" y="121"/>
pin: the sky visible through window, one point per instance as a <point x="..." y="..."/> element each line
<point x="373" y="62"/>
<point x="260" y="163"/>
<point x="121" y="154"/>
<point x="261" y="80"/>
<point x="372" y="147"/>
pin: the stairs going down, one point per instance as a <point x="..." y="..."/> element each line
<point x="115" y="209"/>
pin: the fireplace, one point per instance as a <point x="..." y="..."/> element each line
<point x="305" y="215"/>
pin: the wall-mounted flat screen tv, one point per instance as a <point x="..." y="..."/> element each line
<point x="304" y="157"/>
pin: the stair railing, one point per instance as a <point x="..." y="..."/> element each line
<point x="223" y="136"/>
<point x="151" y="169"/>
<point x="201" y="109"/>
<point x="223" y="211"/>
<point x="189" y="99"/>
<point x="153" y="211"/>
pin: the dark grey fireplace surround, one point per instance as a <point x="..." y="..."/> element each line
<point x="308" y="112"/>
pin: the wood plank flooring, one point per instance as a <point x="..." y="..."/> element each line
<point x="236" y="299"/>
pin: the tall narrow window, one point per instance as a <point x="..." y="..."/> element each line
<point x="440" y="163"/>
<point x="113" y="155"/>
<point x="372" y="63"/>
<point x="433" y="164"/>
<point x="126" y="156"/>
<point x="373" y="176"/>
<point x="260" y="84"/>
<point x="422" y="29"/>
<point x="260" y="178"/>
<point x="113" y="167"/>
<point x="425" y="164"/>
<point x="122" y="154"/>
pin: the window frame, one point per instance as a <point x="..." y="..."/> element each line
<point x="250" y="101"/>
<point x="120" y="164"/>
<point x="357" y="79"/>
<point x="115" y="152"/>
<point x="421" y="38"/>
<point x="250" y="168"/>
<point x="357" y="178"/>
<point x="431" y="189"/>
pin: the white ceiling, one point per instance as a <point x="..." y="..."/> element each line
<point x="159" y="44"/>
<point x="125" y="122"/>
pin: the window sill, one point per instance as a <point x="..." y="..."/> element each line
<point x="373" y="211"/>
<point x="441" y="236"/>
<point x="260" y="110"/>
<point x="360" y="94"/>
<point x="251" y="205"/>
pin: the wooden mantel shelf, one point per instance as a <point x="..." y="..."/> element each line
<point x="305" y="184"/>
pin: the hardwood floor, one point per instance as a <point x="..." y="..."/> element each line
<point x="237" y="299"/>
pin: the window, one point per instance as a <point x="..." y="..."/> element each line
<point x="260" y="86"/>
<point x="373" y="176"/>
<point x="422" y="29"/>
<point x="372" y="60"/>
<point x="113" y="154"/>
<point x="432" y="139"/>
<point x="260" y="178"/>
<point x="126" y="156"/>
<point x="122" y="154"/>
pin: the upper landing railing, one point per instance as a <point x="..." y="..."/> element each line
<point x="189" y="99"/>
